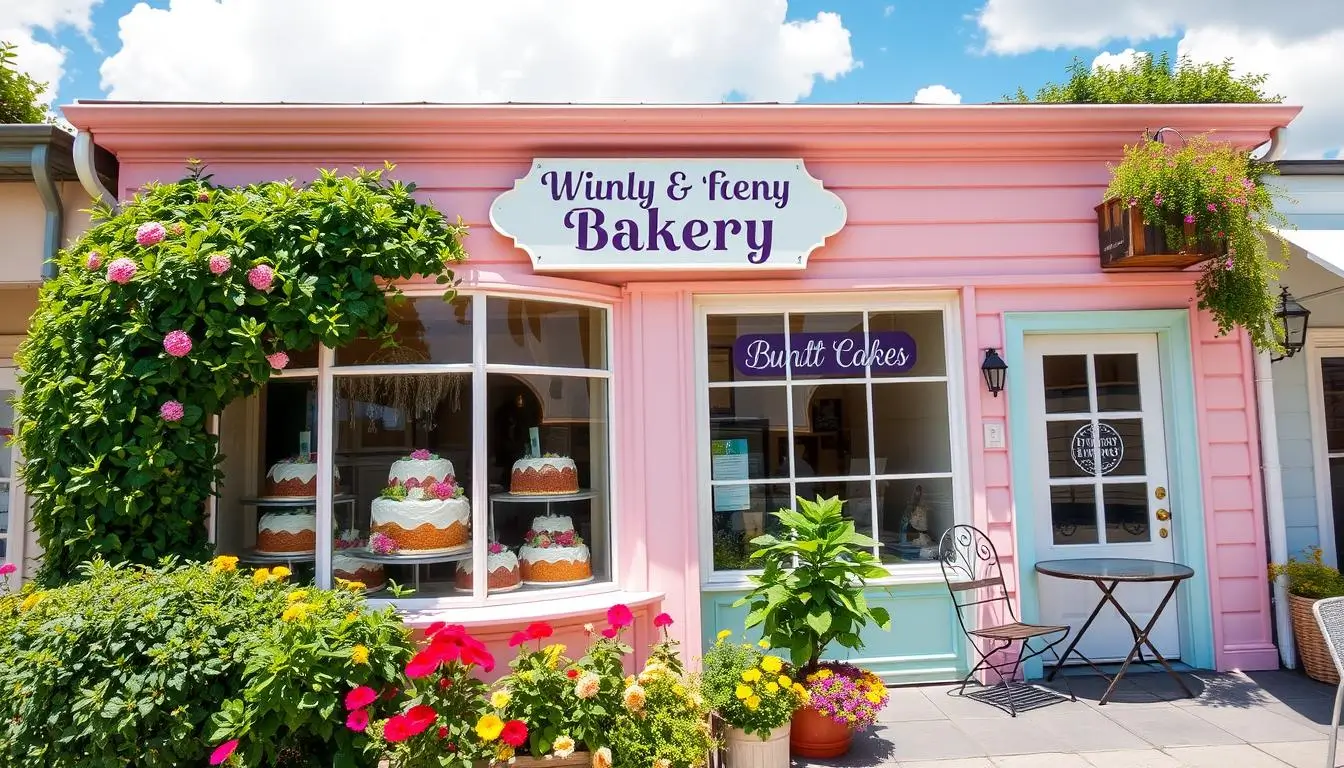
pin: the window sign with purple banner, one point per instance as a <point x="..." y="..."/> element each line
<point x="825" y="353"/>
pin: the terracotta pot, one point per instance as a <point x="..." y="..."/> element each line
<point x="747" y="750"/>
<point x="816" y="735"/>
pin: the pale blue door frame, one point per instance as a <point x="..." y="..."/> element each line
<point x="1176" y="365"/>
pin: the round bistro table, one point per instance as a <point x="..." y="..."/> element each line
<point x="1108" y="573"/>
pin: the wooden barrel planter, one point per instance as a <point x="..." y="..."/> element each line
<point x="1128" y="243"/>
<point x="1311" y="644"/>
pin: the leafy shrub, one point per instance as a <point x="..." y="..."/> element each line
<point x="811" y="590"/>
<point x="21" y="97"/>
<point x="663" y="720"/>
<point x="751" y="690"/>
<point x="1150" y="80"/>
<point x="165" y="312"/>
<point x="153" y="667"/>
<point x="1309" y="577"/>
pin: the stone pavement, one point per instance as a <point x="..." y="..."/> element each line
<point x="1250" y="720"/>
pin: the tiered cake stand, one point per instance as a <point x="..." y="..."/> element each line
<point x="529" y="498"/>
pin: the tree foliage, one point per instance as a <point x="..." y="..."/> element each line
<point x="164" y="313"/>
<point x="1153" y="80"/>
<point x="20" y="95"/>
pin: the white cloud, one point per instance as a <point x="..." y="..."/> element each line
<point x="20" y="19"/>
<point x="467" y="51"/>
<point x="1107" y="60"/>
<point x="1296" y="45"/>
<point x="890" y="9"/>
<point x="936" y="94"/>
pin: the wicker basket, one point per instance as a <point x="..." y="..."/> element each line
<point x="1310" y="643"/>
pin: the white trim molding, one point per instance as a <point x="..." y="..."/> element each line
<point x="1322" y="343"/>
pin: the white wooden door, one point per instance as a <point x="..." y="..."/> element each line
<point x="1099" y="467"/>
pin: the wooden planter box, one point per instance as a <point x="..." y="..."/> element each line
<point x="1127" y="242"/>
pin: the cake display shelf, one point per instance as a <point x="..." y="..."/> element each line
<point x="530" y="498"/>
<point x="296" y="501"/>
<point x="277" y="558"/>
<point x="415" y="561"/>
<point x="548" y="584"/>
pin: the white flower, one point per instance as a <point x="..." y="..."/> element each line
<point x="564" y="747"/>
<point x="587" y="686"/>
<point x="602" y="758"/>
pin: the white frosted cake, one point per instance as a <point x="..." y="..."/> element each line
<point x="287" y="533"/>
<point x="421" y="513"/>
<point x="501" y="565"/>
<point x="295" y="477"/>
<point x="347" y="567"/>
<point x="550" y="475"/>
<point x="553" y="552"/>
<point x="420" y="468"/>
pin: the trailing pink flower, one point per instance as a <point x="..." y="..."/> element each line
<point x="223" y="751"/>
<point x="1157" y="200"/>
<point x="151" y="233"/>
<point x="278" y="360"/>
<point x="177" y="343"/>
<point x="1189" y="218"/>
<point x="171" y="411"/>
<point x="1212" y="206"/>
<point x="120" y="271"/>
<point x="261" y="277"/>
<point x="8" y="568"/>
<point x="95" y="260"/>
<point x="219" y="264"/>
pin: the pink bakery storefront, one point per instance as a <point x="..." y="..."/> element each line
<point x="675" y="320"/>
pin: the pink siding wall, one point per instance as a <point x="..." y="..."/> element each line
<point x="1009" y="234"/>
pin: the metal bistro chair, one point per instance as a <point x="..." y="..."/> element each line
<point x="975" y="580"/>
<point x="1330" y="617"/>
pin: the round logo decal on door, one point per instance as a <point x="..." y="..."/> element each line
<point x="1112" y="449"/>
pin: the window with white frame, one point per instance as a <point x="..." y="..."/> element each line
<point x="474" y="440"/>
<point x="11" y="525"/>
<point x="853" y="404"/>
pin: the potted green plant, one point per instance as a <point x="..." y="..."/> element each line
<point x="1309" y="580"/>
<point x="1171" y="207"/>
<point x="755" y="694"/>
<point x="809" y="594"/>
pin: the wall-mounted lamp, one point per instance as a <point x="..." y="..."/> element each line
<point x="1292" y="319"/>
<point x="994" y="370"/>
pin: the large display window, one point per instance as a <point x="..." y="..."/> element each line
<point x="853" y="401"/>
<point x="474" y="440"/>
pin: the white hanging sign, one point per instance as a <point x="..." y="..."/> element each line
<point x="658" y="214"/>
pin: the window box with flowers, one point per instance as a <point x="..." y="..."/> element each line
<point x="1172" y="207"/>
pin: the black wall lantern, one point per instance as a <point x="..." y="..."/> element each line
<point x="994" y="370"/>
<point x="1292" y="319"/>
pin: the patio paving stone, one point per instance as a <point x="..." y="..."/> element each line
<point x="1225" y="756"/>
<point x="1131" y="758"/>
<point x="1299" y="754"/>
<point x="1171" y="727"/>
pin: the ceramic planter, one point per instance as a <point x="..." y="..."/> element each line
<point x="816" y="735"/>
<point x="747" y="750"/>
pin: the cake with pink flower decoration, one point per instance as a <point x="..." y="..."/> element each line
<point x="295" y="477"/>
<point x="501" y="565"/>
<point x="550" y="475"/>
<point x="420" y="468"/>
<point x="423" y="510"/>
<point x="347" y="567"/>
<point x="553" y="552"/>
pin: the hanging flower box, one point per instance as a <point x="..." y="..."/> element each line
<point x="1128" y="242"/>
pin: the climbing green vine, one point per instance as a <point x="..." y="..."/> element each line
<point x="163" y="313"/>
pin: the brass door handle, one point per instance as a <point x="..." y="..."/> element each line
<point x="1160" y="493"/>
<point x="1163" y="515"/>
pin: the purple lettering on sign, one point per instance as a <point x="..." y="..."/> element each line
<point x="839" y="352"/>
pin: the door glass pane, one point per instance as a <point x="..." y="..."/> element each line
<point x="1117" y="378"/>
<point x="828" y="346"/>
<point x="1073" y="514"/>
<point x="749" y="438"/>
<point x="745" y="348"/>
<point x="4" y="508"/>
<point x="741" y="513"/>
<point x="923" y="329"/>
<point x="1068" y="446"/>
<point x="832" y="437"/>
<point x="1065" y="378"/>
<point x="910" y="428"/>
<point x="526" y="332"/>
<point x="1332" y="384"/>
<point x="1122" y="447"/>
<point x="912" y="516"/>
<point x="1125" y="506"/>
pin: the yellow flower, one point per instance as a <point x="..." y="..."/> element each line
<point x="629" y="680"/>
<point x="504" y="753"/>
<point x="553" y="653"/>
<point x="260" y="576"/>
<point x="634" y="698"/>
<point x="224" y="563"/>
<point x="753" y="702"/>
<point x="724" y="634"/>
<point x="351" y="616"/>
<point x="772" y="687"/>
<point x="296" y="612"/>
<point x="874" y="697"/>
<point x="563" y="746"/>
<point x="772" y="664"/>
<point x="297" y="595"/>
<point x="799" y="689"/>
<point x="359" y="655"/>
<point x="500" y="699"/>
<point x="662" y="762"/>
<point x="30" y="601"/>
<point x="354" y="586"/>
<point x="751" y="675"/>
<point x="679" y="690"/>
<point x="489" y="727"/>
<point x="823" y="674"/>
<point x="743" y="691"/>
<point x="764" y="644"/>
<point x="280" y="572"/>
<point x="784" y="681"/>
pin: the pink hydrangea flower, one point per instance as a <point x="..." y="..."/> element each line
<point x="171" y="411"/>
<point x="95" y="260"/>
<point x="261" y="277"/>
<point x="8" y="568"/>
<point x="421" y="455"/>
<point x="278" y="360"/>
<point x="1157" y="200"/>
<point x="1189" y="218"/>
<point x="177" y="343"/>
<point x="120" y="271"/>
<point x="496" y="548"/>
<point x="219" y="264"/>
<point x="1213" y="206"/>
<point x="151" y="233"/>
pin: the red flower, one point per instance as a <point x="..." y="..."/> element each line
<point x="421" y="716"/>
<point x="514" y="733"/>
<point x="443" y="731"/>
<point x="391" y="693"/>
<point x="223" y="751"/>
<point x="434" y="629"/>
<point x="619" y="615"/>
<point x="517" y="639"/>
<point x="358" y="720"/>
<point x="397" y="729"/>
<point x="360" y="697"/>
<point x="662" y="620"/>
<point x="610" y="633"/>
<point x="571" y="673"/>
<point x="445" y="683"/>
<point x="422" y="664"/>
<point x="539" y="630"/>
